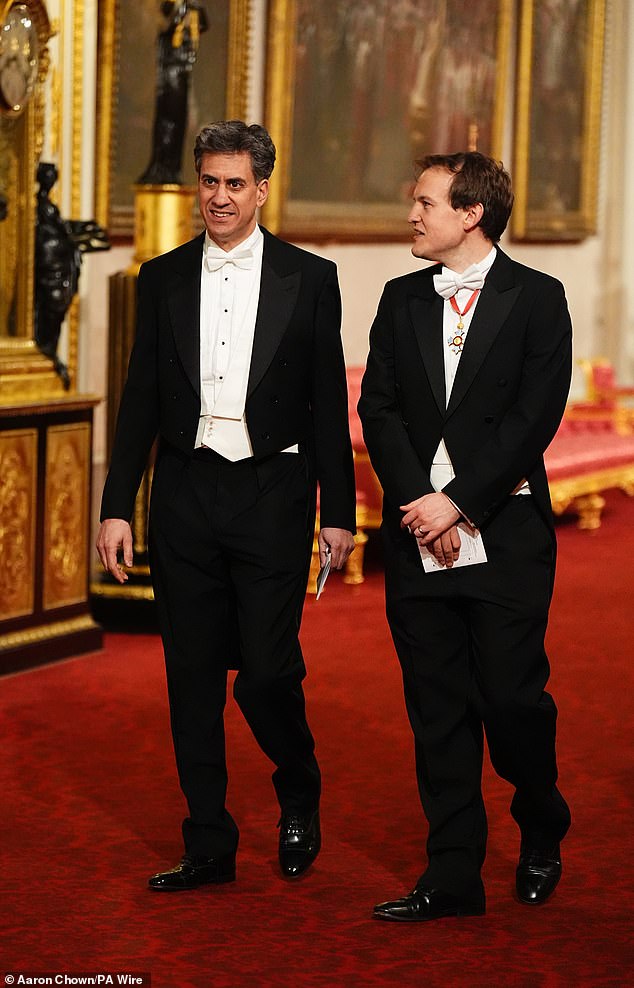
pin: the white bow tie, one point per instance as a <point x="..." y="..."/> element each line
<point x="216" y="257"/>
<point x="448" y="282"/>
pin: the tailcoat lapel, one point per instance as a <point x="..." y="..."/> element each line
<point x="494" y="305"/>
<point x="279" y="289"/>
<point x="184" y="307"/>
<point x="426" y="311"/>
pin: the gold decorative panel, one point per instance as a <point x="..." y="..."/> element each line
<point x="18" y="480"/>
<point x="66" y="514"/>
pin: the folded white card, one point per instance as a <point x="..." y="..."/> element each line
<point x="472" y="550"/>
<point x="323" y="576"/>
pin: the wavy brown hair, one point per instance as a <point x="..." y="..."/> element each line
<point x="476" y="179"/>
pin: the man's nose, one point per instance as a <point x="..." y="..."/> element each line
<point x="221" y="193"/>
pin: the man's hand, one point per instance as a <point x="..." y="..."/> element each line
<point x="115" y="534"/>
<point x="340" y="542"/>
<point x="429" y="516"/>
<point x="446" y="549"/>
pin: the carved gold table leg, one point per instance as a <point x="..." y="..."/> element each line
<point x="313" y="573"/>
<point x="353" y="572"/>
<point x="589" y="508"/>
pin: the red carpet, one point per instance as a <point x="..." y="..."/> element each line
<point x="91" y="808"/>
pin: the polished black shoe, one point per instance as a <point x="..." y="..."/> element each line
<point x="423" y="904"/>
<point x="538" y="873"/>
<point x="300" y="841"/>
<point x="194" y="871"/>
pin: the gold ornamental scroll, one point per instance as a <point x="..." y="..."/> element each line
<point x="66" y="514"/>
<point x="18" y="480"/>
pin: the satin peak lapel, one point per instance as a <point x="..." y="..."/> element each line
<point x="494" y="305"/>
<point x="278" y="295"/>
<point x="426" y="311"/>
<point x="183" y="302"/>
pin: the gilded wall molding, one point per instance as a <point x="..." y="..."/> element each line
<point x="240" y="39"/>
<point x="77" y="107"/>
<point x="77" y="102"/>
<point x="24" y="371"/>
<point x="107" y="88"/>
<point x="279" y="101"/>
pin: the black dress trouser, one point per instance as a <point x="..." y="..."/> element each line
<point x="471" y="646"/>
<point x="229" y="550"/>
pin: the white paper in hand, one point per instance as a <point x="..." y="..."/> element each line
<point x="472" y="550"/>
<point x="323" y="575"/>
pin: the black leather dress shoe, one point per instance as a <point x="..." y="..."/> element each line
<point x="423" y="904"/>
<point x="300" y="841"/>
<point x="538" y="873"/>
<point x="194" y="871"/>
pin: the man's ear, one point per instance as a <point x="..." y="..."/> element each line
<point x="263" y="192"/>
<point x="472" y="216"/>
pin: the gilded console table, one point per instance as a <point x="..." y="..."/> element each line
<point x="45" y="550"/>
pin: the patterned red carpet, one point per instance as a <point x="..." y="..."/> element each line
<point x="91" y="808"/>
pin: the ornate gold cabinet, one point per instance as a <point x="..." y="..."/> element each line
<point x="45" y="500"/>
<point x="45" y="430"/>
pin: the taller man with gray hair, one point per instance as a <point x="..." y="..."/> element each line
<point x="238" y="368"/>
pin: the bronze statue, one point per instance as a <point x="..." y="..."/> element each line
<point x="177" y="49"/>
<point x="59" y="245"/>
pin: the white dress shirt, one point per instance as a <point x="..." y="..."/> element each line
<point x="228" y="307"/>
<point x="442" y="470"/>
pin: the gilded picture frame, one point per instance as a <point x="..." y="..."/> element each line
<point x="126" y="94"/>
<point x="356" y="90"/>
<point x="558" y="119"/>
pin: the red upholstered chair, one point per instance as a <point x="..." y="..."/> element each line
<point x="588" y="456"/>
<point x="604" y="397"/>
<point x="592" y="451"/>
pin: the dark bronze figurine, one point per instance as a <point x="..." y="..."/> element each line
<point x="177" y="50"/>
<point x="59" y="245"/>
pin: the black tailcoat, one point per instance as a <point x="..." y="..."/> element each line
<point x="230" y="542"/>
<point x="471" y="639"/>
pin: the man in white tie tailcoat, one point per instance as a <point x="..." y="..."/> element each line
<point x="238" y="368"/>
<point x="466" y="382"/>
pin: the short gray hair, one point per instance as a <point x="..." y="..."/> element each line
<point x="236" y="137"/>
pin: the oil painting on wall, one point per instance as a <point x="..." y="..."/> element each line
<point x="558" y="118"/>
<point x="370" y="86"/>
